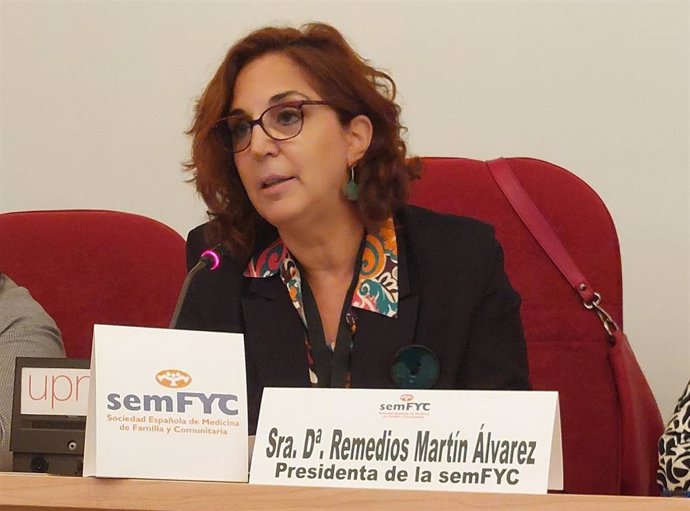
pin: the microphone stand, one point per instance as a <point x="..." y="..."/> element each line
<point x="208" y="257"/>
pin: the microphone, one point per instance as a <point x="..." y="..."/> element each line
<point x="415" y="367"/>
<point x="211" y="259"/>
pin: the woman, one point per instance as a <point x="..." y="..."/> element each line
<point x="25" y="331"/>
<point x="673" y="474"/>
<point x="297" y="153"/>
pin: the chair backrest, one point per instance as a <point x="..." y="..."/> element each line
<point x="91" y="266"/>
<point x="567" y="345"/>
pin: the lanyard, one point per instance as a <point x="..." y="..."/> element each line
<point x="332" y="368"/>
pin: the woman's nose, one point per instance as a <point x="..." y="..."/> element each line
<point x="260" y="143"/>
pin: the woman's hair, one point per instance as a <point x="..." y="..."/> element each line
<point x="342" y="78"/>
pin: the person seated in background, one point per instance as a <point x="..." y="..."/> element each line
<point x="297" y="152"/>
<point x="26" y="330"/>
<point x="673" y="475"/>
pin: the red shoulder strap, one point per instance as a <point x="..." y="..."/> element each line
<point x="540" y="228"/>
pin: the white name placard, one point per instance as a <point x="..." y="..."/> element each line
<point x="166" y="404"/>
<point x="482" y="441"/>
<point x="54" y="391"/>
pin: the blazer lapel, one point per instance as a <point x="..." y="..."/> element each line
<point x="274" y="334"/>
<point x="378" y="338"/>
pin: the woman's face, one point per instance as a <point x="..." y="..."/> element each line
<point x="301" y="178"/>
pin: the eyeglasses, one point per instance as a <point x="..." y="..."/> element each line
<point x="280" y="122"/>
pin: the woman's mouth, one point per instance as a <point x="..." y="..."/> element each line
<point x="271" y="181"/>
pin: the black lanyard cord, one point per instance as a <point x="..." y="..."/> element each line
<point x="331" y="367"/>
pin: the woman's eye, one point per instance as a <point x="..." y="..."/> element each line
<point x="239" y="129"/>
<point x="288" y="116"/>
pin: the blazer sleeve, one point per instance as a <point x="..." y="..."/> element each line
<point x="674" y="449"/>
<point x="496" y="354"/>
<point x="26" y="330"/>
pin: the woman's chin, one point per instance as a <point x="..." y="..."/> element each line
<point x="282" y="216"/>
<point x="298" y="213"/>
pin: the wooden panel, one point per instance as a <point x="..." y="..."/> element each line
<point x="45" y="492"/>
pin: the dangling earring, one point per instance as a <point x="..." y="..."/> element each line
<point x="351" y="188"/>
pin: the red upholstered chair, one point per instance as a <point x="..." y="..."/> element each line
<point x="87" y="266"/>
<point x="567" y="346"/>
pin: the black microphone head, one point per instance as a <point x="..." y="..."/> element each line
<point x="415" y="367"/>
<point x="213" y="256"/>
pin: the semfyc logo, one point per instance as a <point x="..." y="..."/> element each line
<point x="173" y="378"/>
<point x="407" y="407"/>
<point x="178" y="402"/>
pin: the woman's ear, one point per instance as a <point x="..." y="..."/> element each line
<point x="358" y="132"/>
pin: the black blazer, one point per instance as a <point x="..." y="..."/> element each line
<point x="454" y="298"/>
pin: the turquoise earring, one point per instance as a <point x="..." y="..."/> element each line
<point x="351" y="188"/>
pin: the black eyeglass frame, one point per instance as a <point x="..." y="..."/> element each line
<point x="222" y="132"/>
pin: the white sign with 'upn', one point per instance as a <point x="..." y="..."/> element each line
<point x="54" y="391"/>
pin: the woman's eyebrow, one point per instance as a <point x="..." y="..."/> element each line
<point x="275" y="99"/>
<point x="279" y="97"/>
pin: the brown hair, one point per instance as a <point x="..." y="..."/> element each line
<point x="347" y="82"/>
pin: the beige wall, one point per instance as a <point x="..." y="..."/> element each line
<point x="96" y="96"/>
